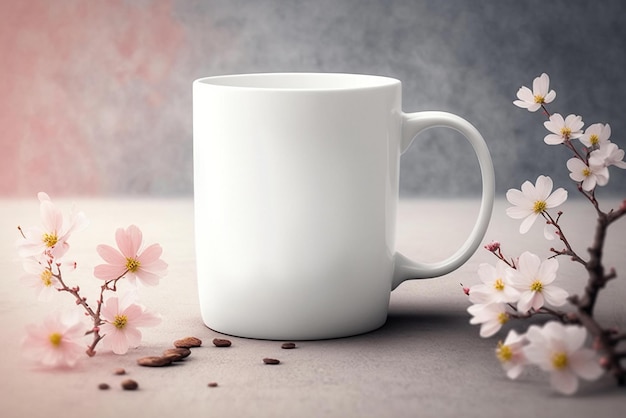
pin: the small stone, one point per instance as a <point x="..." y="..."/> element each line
<point x="155" y="361"/>
<point x="221" y="342"/>
<point x="177" y="354"/>
<point x="212" y="384"/>
<point x="104" y="386"/>
<point x="288" y="346"/>
<point x="119" y="371"/>
<point x="188" y="342"/>
<point x="271" y="361"/>
<point x="129" y="384"/>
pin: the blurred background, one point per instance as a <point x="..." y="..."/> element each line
<point x="95" y="96"/>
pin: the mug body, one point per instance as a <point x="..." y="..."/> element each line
<point x="295" y="193"/>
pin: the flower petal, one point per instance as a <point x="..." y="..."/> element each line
<point x="518" y="198"/>
<point x="564" y="381"/>
<point x="555" y="296"/>
<point x="525" y="94"/>
<point x="585" y="365"/>
<point x="150" y="254"/>
<point x="556" y="198"/>
<point x="543" y="185"/>
<point x="147" y="278"/>
<point x="111" y="255"/>
<point x="108" y="271"/>
<point x="527" y="223"/>
<point x="525" y="301"/>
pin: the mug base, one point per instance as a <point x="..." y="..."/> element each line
<point x="274" y="336"/>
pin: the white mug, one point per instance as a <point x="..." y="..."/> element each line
<point x="296" y="189"/>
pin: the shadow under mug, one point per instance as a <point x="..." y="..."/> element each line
<point x="295" y="193"/>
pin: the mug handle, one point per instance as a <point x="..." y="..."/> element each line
<point x="413" y="125"/>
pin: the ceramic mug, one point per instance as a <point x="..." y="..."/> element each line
<point x="295" y="190"/>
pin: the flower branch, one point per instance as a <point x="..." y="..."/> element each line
<point x="520" y="288"/>
<point x="114" y="321"/>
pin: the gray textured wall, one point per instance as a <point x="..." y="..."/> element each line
<point x="466" y="57"/>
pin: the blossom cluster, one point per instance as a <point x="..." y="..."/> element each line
<point x="589" y="167"/>
<point x="520" y="290"/>
<point x="522" y="287"/>
<point x="114" y="321"/>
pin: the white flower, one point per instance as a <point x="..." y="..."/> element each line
<point x="495" y="286"/>
<point x="491" y="316"/>
<point x="589" y="175"/>
<point x="534" y="278"/>
<point x="607" y="155"/>
<point x="511" y="354"/>
<point x="532" y="100"/>
<point x="596" y="135"/>
<point x="558" y="349"/>
<point x="563" y="130"/>
<point x="533" y="200"/>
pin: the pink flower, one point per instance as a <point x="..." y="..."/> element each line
<point x="122" y="317"/>
<point x="40" y="278"/>
<point x="145" y="266"/>
<point x="50" y="240"/>
<point x="54" y="343"/>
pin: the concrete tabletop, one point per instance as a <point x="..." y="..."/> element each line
<point x="426" y="361"/>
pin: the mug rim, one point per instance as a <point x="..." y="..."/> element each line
<point x="298" y="81"/>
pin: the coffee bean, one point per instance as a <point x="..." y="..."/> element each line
<point x="188" y="342"/>
<point x="222" y="342"/>
<point x="288" y="346"/>
<point x="103" y="386"/>
<point x="155" y="361"/>
<point x="129" y="384"/>
<point x="212" y="384"/>
<point x="177" y="354"/>
<point x="271" y="361"/>
<point x="119" y="371"/>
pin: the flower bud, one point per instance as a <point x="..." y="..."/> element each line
<point x="605" y="362"/>
<point x="493" y="246"/>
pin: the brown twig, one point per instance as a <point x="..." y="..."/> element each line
<point x="82" y="301"/>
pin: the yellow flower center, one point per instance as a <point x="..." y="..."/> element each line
<point x="46" y="278"/>
<point x="594" y="139"/>
<point x="50" y="239"/>
<point x="120" y="321"/>
<point x="539" y="99"/>
<point x="566" y="132"/>
<point x="55" y="339"/>
<point x="586" y="172"/>
<point x="503" y="318"/>
<point x="498" y="284"/>
<point x="560" y="361"/>
<point x="132" y="264"/>
<point x="536" y="286"/>
<point x="539" y="206"/>
<point x="504" y="352"/>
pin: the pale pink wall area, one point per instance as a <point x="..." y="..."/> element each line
<point x="75" y="77"/>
